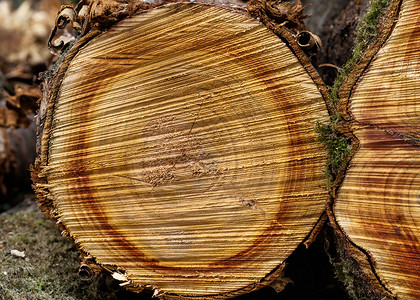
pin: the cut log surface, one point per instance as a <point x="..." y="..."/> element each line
<point x="182" y="150"/>
<point x="378" y="203"/>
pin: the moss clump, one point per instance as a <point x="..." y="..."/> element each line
<point x="338" y="147"/>
<point x="50" y="267"/>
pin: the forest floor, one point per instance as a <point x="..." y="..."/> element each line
<point x="36" y="262"/>
<point x="48" y="266"/>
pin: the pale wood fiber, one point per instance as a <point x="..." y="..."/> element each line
<point x="182" y="150"/>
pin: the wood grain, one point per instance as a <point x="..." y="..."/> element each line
<point x="182" y="150"/>
<point x="378" y="204"/>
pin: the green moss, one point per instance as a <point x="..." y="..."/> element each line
<point x="337" y="145"/>
<point x="50" y="267"/>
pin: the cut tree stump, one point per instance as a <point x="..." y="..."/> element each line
<point x="377" y="206"/>
<point x="178" y="147"/>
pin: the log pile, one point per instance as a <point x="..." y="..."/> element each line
<point x="177" y="146"/>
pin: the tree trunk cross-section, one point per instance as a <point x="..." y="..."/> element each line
<point x="378" y="203"/>
<point x="182" y="150"/>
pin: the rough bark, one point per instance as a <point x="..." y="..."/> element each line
<point x="177" y="146"/>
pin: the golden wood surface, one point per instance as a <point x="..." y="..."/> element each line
<point x="182" y="150"/>
<point x="378" y="203"/>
